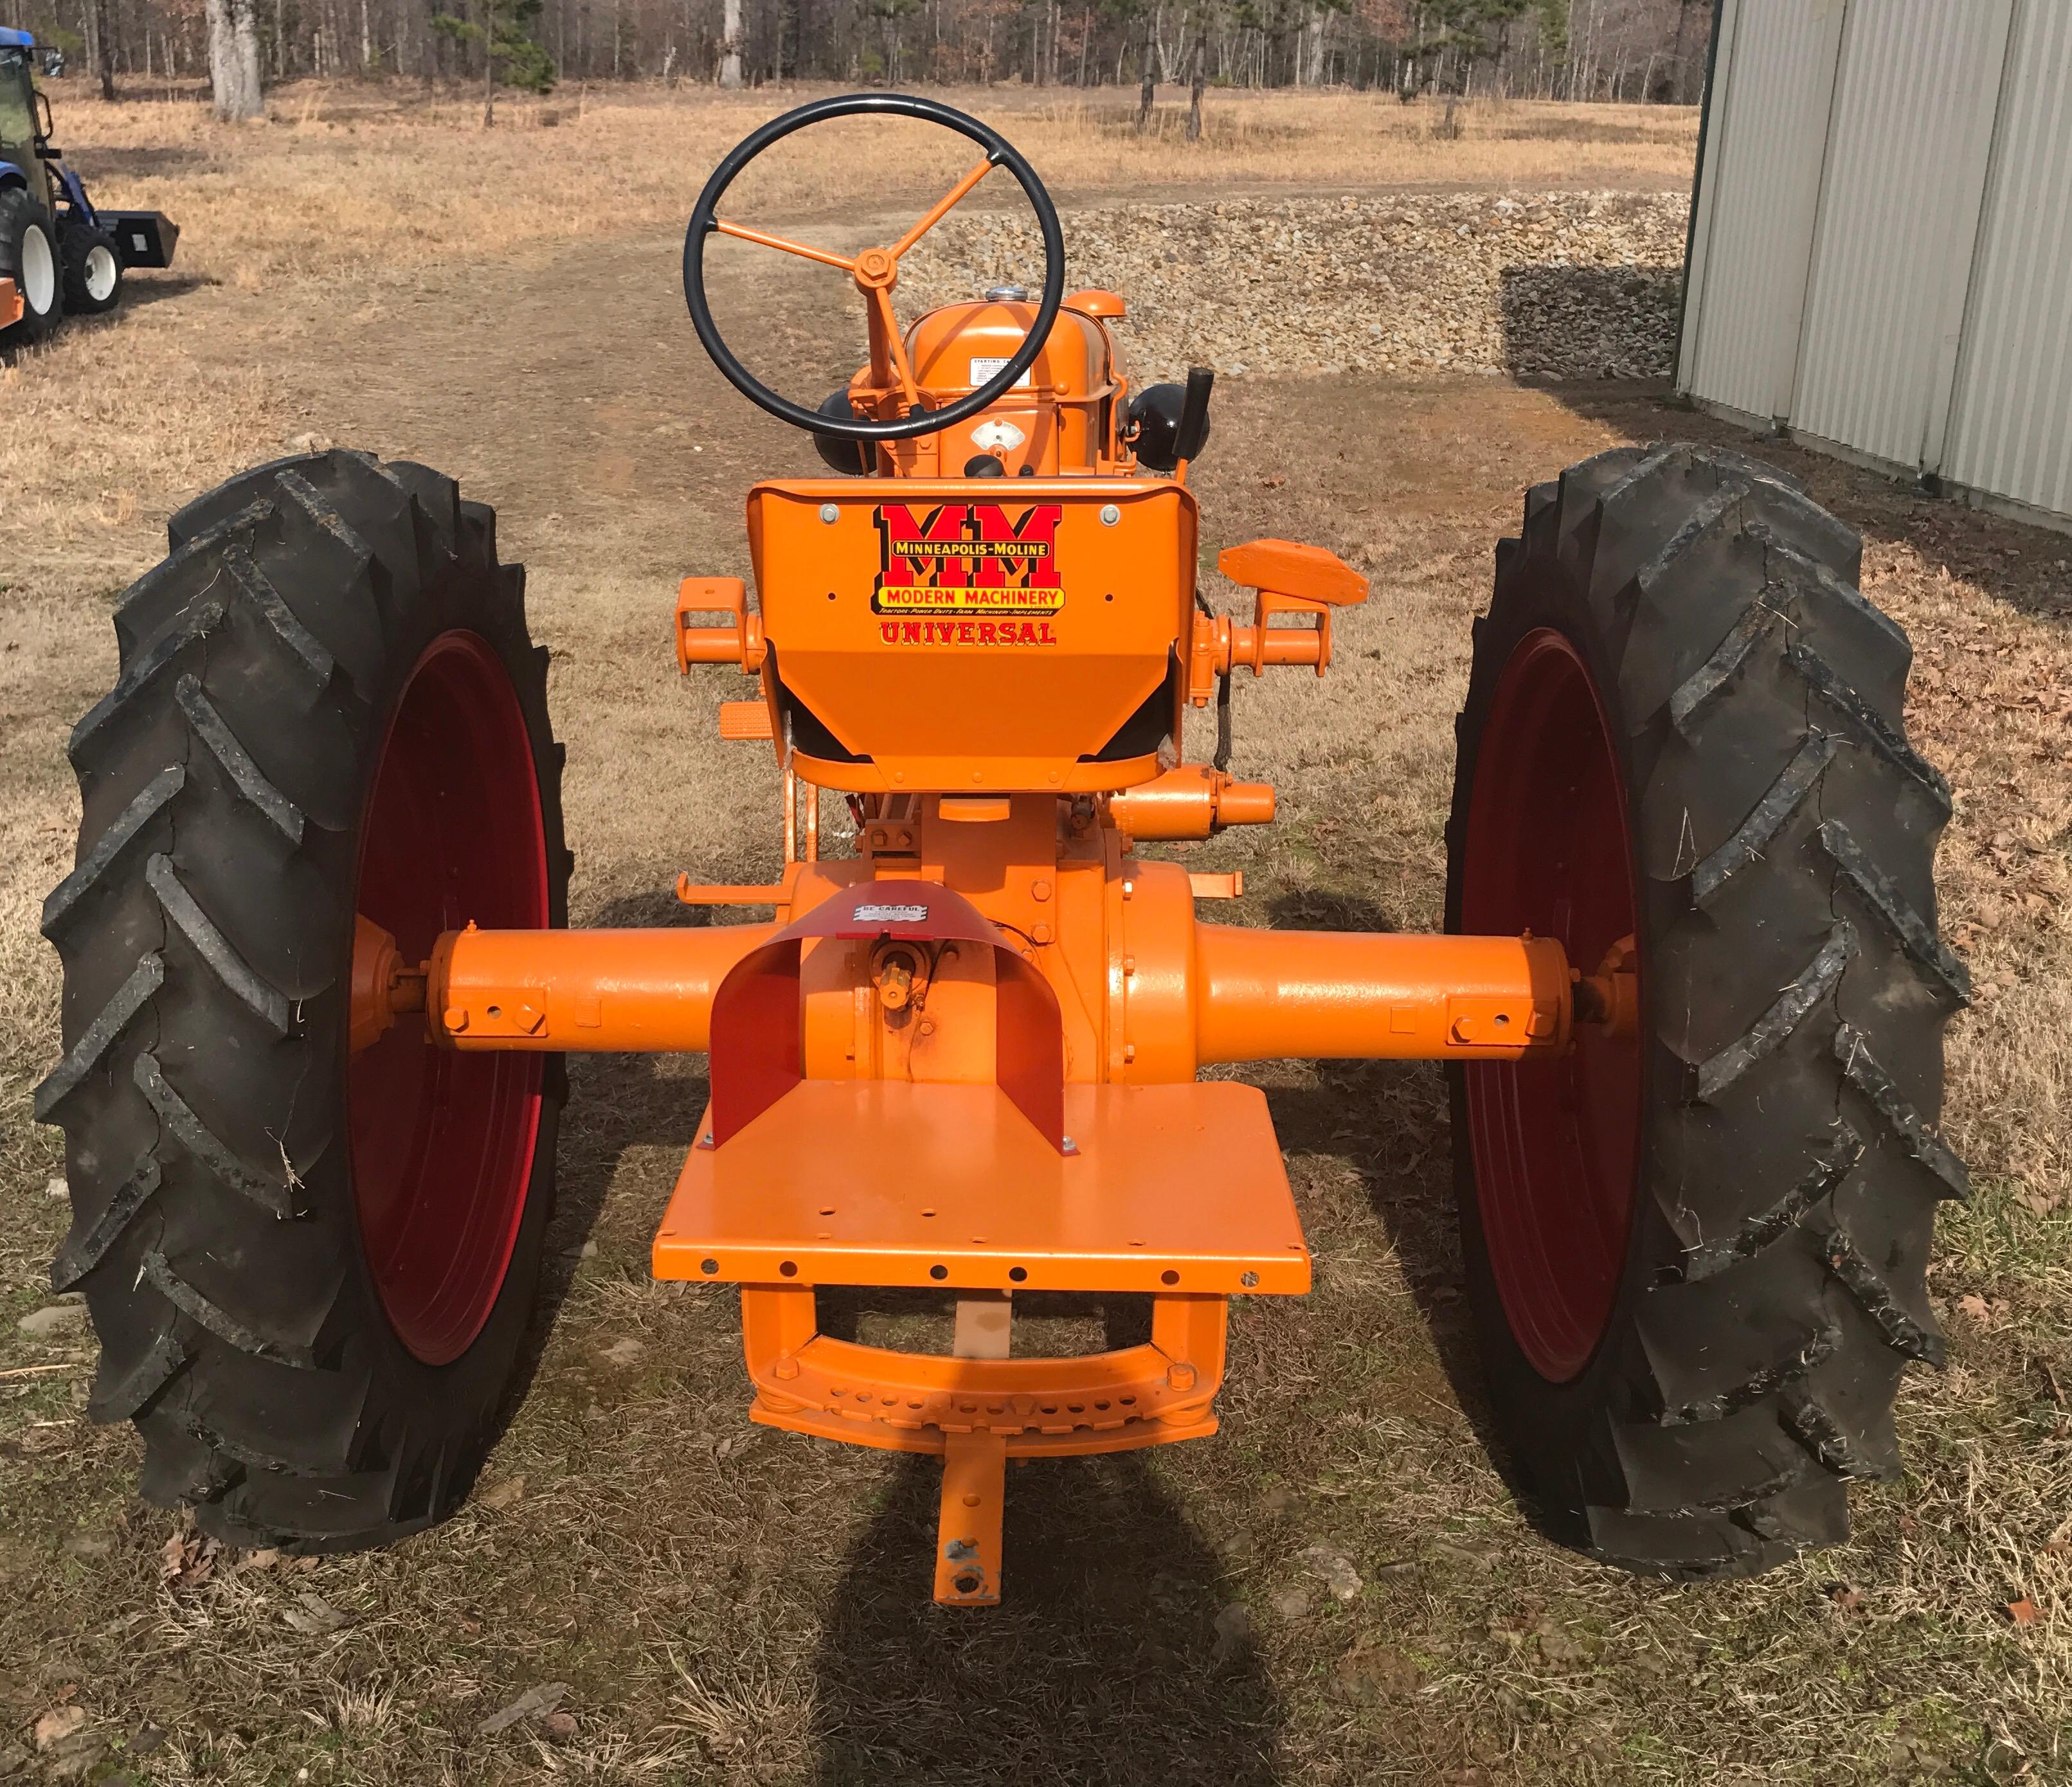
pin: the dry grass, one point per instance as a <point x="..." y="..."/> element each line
<point x="728" y="1604"/>
<point x="343" y="179"/>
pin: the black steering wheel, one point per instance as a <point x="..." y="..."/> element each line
<point x="875" y="270"/>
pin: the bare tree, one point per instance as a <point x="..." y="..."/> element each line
<point x="101" y="29"/>
<point x="729" y="58"/>
<point x="233" y="60"/>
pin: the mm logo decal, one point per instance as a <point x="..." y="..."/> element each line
<point x="967" y="558"/>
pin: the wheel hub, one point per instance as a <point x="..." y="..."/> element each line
<point x="101" y="273"/>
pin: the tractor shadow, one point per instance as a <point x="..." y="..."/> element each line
<point x="141" y="291"/>
<point x="1102" y="1664"/>
<point x="1388" y="1121"/>
<point x="137" y="293"/>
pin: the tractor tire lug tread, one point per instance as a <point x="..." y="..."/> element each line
<point x="1876" y="731"/>
<point x="245" y="776"/>
<point x="1731" y="653"/>
<point x="149" y="801"/>
<point x="1771" y="1031"/>
<point x="88" y="1242"/>
<point x="184" y="912"/>
<point x="308" y="650"/>
<point x="282" y="1351"/>
<point x="1915" y="934"/>
<point x="1906" y="1333"/>
<point x="1756" y="1232"/>
<point x="214" y="1228"/>
<point x="125" y="1398"/>
<point x="99" y="1036"/>
<point x="136" y="677"/>
<point x="1915" y="1134"/>
<point x="1751" y="842"/>
<point x="179" y="1118"/>
<point x="1794" y="985"/>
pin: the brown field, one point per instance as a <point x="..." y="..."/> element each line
<point x="728" y="1605"/>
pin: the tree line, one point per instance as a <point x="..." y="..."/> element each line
<point x="1634" y="49"/>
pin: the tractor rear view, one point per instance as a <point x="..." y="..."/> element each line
<point x="318" y="983"/>
<point x="58" y="252"/>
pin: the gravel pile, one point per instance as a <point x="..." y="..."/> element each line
<point x="1562" y="285"/>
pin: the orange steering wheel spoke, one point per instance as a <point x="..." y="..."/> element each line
<point x="889" y="323"/>
<point x="789" y="247"/>
<point x="943" y="206"/>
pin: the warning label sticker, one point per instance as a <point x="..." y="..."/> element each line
<point x="891" y="914"/>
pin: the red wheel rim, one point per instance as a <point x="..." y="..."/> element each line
<point x="1554" y="1143"/>
<point x="443" y="1143"/>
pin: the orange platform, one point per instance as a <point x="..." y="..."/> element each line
<point x="1171" y="1189"/>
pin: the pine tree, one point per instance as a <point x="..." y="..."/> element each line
<point x="512" y="54"/>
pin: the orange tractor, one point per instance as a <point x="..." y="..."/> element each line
<point x="318" y="984"/>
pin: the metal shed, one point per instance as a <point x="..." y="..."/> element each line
<point x="1881" y="250"/>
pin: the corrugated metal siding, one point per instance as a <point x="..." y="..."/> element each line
<point x="2011" y="427"/>
<point x="1906" y="154"/>
<point x="1776" y="75"/>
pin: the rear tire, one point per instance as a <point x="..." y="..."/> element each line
<point x="242" y="1223"/>
<point x="29" y="257"/>
<point x="1759" y="1230"/>
<point x="92" y="272"/>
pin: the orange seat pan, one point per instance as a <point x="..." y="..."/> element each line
<point x="1174" y="1189"/>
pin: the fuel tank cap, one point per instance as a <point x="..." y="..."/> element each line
<point x="1007" y="294"/>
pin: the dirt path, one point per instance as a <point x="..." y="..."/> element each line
<point x="726" y="1603"/>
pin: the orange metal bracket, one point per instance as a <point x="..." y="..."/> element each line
<point x="1175" y="1187"/>
<point x="977" y="1413"/>
<point x="1190" y="800"/>
<point x="757" y="1025"/>
<point x="1288" y="579"/>
<point x="741" y="643"/>
<point x="968" y="1527"/>
<point x="1290" y="568"/>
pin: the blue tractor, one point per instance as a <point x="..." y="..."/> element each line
<point x="57" y="251"/>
